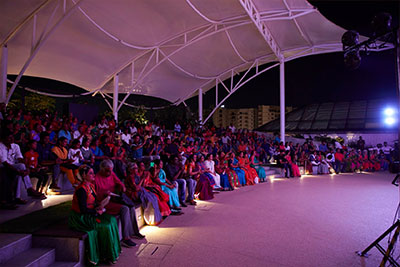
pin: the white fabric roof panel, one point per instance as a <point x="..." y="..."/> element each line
<point x="166" y="49"/>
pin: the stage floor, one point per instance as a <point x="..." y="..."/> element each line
<point x="312" y="221"/>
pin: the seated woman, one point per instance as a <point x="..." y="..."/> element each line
<point x="324" y="167"/>
<point x="305" y="164"/>
<point x="209" y="167"/>
<point x="151" y="184"/>
<point x="149" y="148"/>
<point x="87" y="216"/>
<point x="254" y="163"/>
<point x="233" y="177"/>
<point x="292" y="161"/>
<point x="316" y="168"/>
<point x="191" y="169"/>
<point x="250" y="173"/>
<point x="166" y="186"/>
<point x="61" y="154"/>
<point x="234" y="165"/>
<point x="105" y="182"/>
<point x="375" y="161"/>
<point x="135" y="190"/>
<point x="221" y="167"/>
<point x="366" y="163"/>
<point x="97" y="153"/>
<point x="203" y="187"/>
<point x="75" y="153"/>
<point x="119" y="159"/>
<point x="88" y="156"/>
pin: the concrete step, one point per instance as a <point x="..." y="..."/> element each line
<point x="13" y="244"/>
<point x="271" y="172"/>
<point x="65" y="264"/>
<point x="34" y="257"/>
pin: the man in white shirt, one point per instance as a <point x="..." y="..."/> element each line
<point x="103" y="125"/>
<point x="177" y="127"/>
<point x="12" y="162"/>
<point x="232" y="128"/>
<point x="132" y="129"/>
<point x="79" y="134"/>
<point x="330" y="158"/>
<point x="387" y="150"/>
<point x="225" y="139"/>
<point x="126" y="136"/>
<point x="156" y="129"/>
<point x="338" y="145"/>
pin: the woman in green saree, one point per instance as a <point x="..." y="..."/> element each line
<point x="90" y="217"/>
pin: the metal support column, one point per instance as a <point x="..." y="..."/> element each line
<point x="282" y="99"/>
<point x="3" y="74"/>
<point x="115" y="98"/>
<point x="200" y="107"/>
<point x="397" y="53"/>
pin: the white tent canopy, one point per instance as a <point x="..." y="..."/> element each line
<point x="168" y="49"/>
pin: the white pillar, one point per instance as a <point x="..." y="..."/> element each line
<point x="398" y="89"/>
<point x="3" y="74"/>
<point x="115" y="98"/>
<point x="201" y="107"/>
<point x="282" y="98"/>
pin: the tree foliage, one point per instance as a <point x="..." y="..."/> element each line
<point x="137" y="114"/>
<point x="32" y="102"/>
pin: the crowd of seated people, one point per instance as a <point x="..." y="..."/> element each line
<point x="113" y="165"/>
<point x="47" y="144"/>
<point x="327" y="158"/>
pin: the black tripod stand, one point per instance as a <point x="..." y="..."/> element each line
<point x="387" y="255"/>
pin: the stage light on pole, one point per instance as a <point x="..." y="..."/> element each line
<point x="389" y="111"/>
<point x="352" y="59"/>
<point x="390" y="121"/>
<point x="390" y="116"/>
<point x="350" y="38"/>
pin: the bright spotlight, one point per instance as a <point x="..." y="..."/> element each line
<point x="222" y="106"/>
<point x="390" y="121"/>
<point x="389" y="111"/>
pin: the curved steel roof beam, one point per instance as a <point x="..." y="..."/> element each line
<point x="305" y="37"/>
<point x="255" y="17"/>
<point x="193" y="40"/>
<point x="234" y="47"/>
<point x="38" y="45"/>
<point x="140" y="47"/>
<point x="23" y="22"/>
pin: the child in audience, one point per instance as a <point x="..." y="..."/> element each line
<point x="40" y="172"/>
<point x="75" y="153"/>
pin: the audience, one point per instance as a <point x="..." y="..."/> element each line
<point x="128" y="160"/>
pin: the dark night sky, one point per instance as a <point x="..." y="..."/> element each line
<point x="324" y="78"/>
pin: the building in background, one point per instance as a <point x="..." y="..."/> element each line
<point x="375" y="120"/>
<point x="268" y="113"/>
<point x="246" y="118"/>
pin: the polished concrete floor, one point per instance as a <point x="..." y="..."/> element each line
<point x="312" y="221"/>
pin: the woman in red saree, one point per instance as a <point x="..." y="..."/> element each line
<point x="151" y="183"/>
<point x="222" y="168"/>
<point x="249" y="172"/>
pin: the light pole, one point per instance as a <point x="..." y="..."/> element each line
<point x="384" y="33"/>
